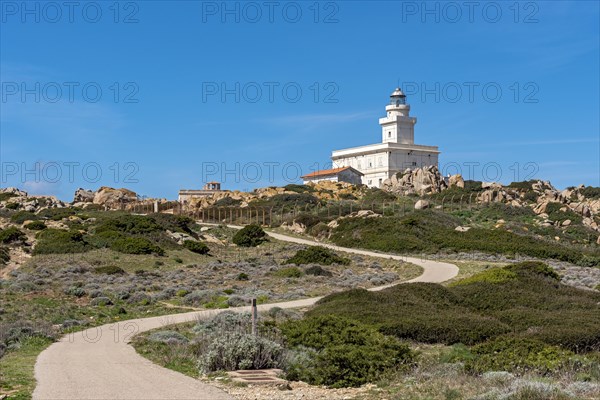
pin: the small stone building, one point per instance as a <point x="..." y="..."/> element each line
<point x="343" y="174"/>
<point x="208" y="189"/>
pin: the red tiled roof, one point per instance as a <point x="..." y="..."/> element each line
<point x="326" y="172"/>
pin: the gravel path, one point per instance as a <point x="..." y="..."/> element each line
<point x="99" y="364"/>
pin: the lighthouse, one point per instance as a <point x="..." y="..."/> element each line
<point x="397" y="150"/>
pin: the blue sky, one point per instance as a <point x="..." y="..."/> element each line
<point x="195" y="91"/>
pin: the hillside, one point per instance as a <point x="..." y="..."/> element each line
<point x="107" y="256"/>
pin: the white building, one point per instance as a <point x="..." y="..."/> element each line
<point x="344" y="174"/>
<point x="397" y="150"/>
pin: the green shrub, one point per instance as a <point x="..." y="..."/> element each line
<point x="375" y="195"/>
<point x="520" y="355"/>
<point x="242" y="277"/>
<point x="317" y="255"/>
<point x="6" y="196"/>
<point x="493" y="275"/>
<point x="287" y="200"/>
<point x="307" y="219"/>
<point x="292" y="187"/>
<point x="196" y="247"/>
<point x="290" y="272"/>
<point x="250" y="236"/>
<point x="109" y="270"/>
<point x="531" y="303"/>
<point x="345" y="353"/>
<point x="35" y="226"/>
<point x="431" y="231"/>
<point x="174" y="223"/>
<point x="317" y="270"/>
<point x="591" y="192"/>
<point x="21" y="216"/>
<point x="11" y="235"/>
<point x="12" y="206"/>
<point x="136" y="245"/>
<point x="56" y="241"/>
<point x="130" y="224"/>
<point x="227" y="202"/>
<point x="57" y="214"/>
<point x="4" y="255"/>
<point x="511" y="272"/>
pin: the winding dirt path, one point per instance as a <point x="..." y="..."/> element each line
<point x="99" y="364"/>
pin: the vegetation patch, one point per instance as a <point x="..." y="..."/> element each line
<point x="57" y="241"/>
<point x="289" y="272"/>
<point x="518" y="355"/>
<point x="339" y="352"/>
<point x="35" y="226"/>
<point x="432" y="231"/>
<point x="531" y="305"/>
<point x="11" y="235"/>
<point x="136" y="245"/>
<point x="250" y="236"/>
<point x="196" y="247"/>
<point x="317" y="255"/>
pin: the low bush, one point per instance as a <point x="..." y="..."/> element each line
<point x="130" y="224"/>
<point x="230" y="351"/>
<point x="317" y="255"/>
<point x="168" y="337"/>
<point x="6" y="196"/>
<point x="227" y="202"/>
<point x="525" y="299"/>
<point x="4" y="255"/>
<point x="57" y="214"/>
<point x="289" y="272"/>
<point x="250" y="236"/>
<point x="21" y="216"/>
<point x="101" y="301"/>
<point x="591" y="192"/>
<point x="292" y="187"/>
<point x="56" y="241"/>
<point x="196" y="247"/>
<point x="136" y="245"/>
<point x="345" y="352"/>
<point x="109" y="270"/>
<point x="519" y="355"/>
<point x="243" y="277"/>
<point x="35" y="226"/>
<point x="317" y="270"/>
<point x="11" y="235"/>
<point x="431" y="231"/>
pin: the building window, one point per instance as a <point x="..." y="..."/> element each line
<point x="414" y="163"/>
<point x="379" y="182"/>
<point x="389" y="134"/>
<point x="370" y="182"/>
<point x="370" y="164"/>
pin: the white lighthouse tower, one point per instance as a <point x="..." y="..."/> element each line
<point x="397" y="150"/>
<point x="397" y="126"/>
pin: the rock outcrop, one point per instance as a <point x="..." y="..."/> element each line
<point x="110" y="196"/>
<point x="421" y="181"/>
